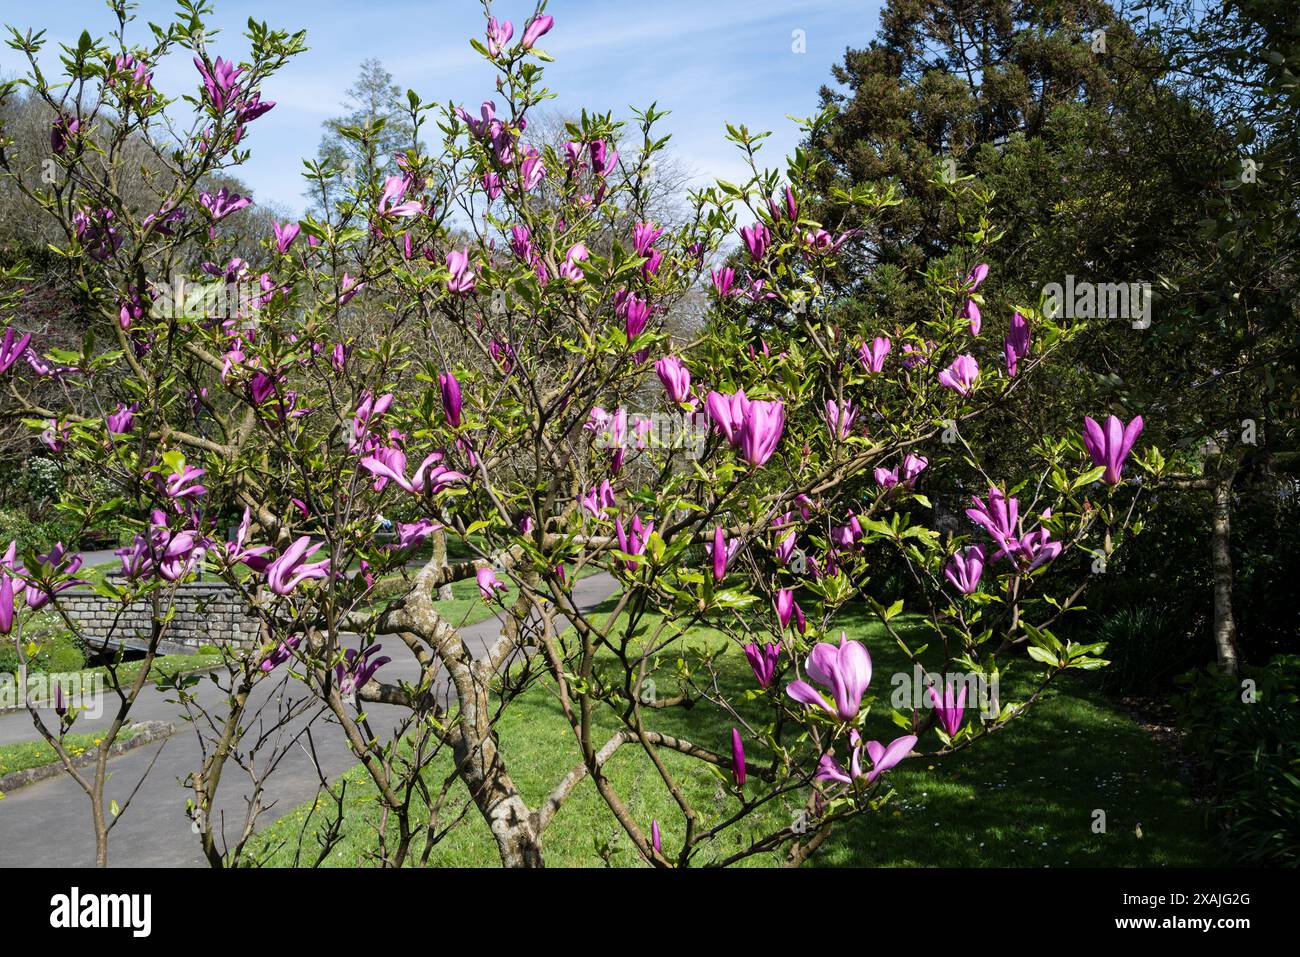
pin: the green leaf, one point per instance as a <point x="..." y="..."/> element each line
<point x="1043" y="655"/>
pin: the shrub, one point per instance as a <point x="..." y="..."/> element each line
<point x="58" y="652"/>
<point x="1248" y="734"/>
<point x="1147" y="646"/>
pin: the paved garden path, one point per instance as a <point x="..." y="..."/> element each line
<point x="48" y="824"/>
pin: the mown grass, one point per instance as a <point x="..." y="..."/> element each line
<point x="23" y="755"/>
<point x="1027" y="796"/>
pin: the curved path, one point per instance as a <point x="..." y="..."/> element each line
<point x="48" y="824"/>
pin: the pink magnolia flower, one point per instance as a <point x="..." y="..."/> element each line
<point x="676" y="378"/>
<point x="178" y="553"/>
<point x="537" y="28"/>
<point x="965" y="567"/>
<point x="282" y="653"/>
<point x="502" y="354"/>
<point x="971" y="313"/>
<point x="162" y="221"/>
<point x="12" y="347"/>
<point x="786" y="607"/>
<point x="1109" y="447"/>
<point x="411" y="534"/>
<point x="872" y="356"/>
<point x="721" y="552"/>
<point x="95" y="230"/>
<point x="632" y="541"/>
<point x="284" y="236"/>
<point x="129" y="70"/>
<point x="499" y="35"/>
<point x="349" y="288"/>
<point x="949" y="711"/>
<point x="451" y="400"/>
<point x="1036" y="548"/>
<point x="882" y="758"/>
<point x="790" y="209"/>
<point x="479" y="127"/>
<point x="369" y="409"/>
<point x="122" y="421"/>
<point x="291" y="569"/>
<point x="847" y="536"/>
<point x="426" y="481"/>
<point x="250" y="109"/>
<point x="757" y="238"/>
<point x="839" y="420"/>
<point x="603" y="159"/>
<point x="1000" y="517"/>
<point x="570" y="269"/>
<point x="723" y="280"/>
<point x="462" y="277"/>
<point x="845" y="670"/>
<point x="760" y="432"/>
<point x="179" y="485"/>
<point x="52" y="576"/>
<point x="129" y="311"/>
<point x="222" y="203"/>
<point x="917" y="355"/>
<point x="6" y="604"/>
<point x="219" y="81"/>
<point x="636" y="314"/>
<point x="357" y="668"/>
<point x="598" y="499"/>
<point x="728" y="413"/>
<point x="785" y="547"/>
<point x="738" y="757"/>
<point x="656" y="841"/>
<point x="492" y="185"/>
<point x="913" y="465"/>
<point x="763" y="660"/>
<point x="961" y="375"/>
<point x="61" y="132"/>
<point x="975" y="277"/>
<point x="532" y="170"/>
<point x="488" y="583"/>
<point x="240" y="552"/>
<point x="1016" y="345"/>
<point x="392" y="202"/>
<point x="644" y="236"/>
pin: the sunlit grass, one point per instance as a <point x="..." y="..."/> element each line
<point x="1027" y="796"/>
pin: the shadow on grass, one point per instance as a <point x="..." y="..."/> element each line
<point x="1029" y="796"/>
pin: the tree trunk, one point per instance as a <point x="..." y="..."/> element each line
<point x="439" y="541"/>
<point x="1225" y="625"/>
<point x="513" y="826"/>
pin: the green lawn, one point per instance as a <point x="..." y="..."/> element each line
<point x="35" y="754"/>
<point x="164" y="666"/>
<point x="1023" y="797"/>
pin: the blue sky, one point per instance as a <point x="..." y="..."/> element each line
<point x="708" y="61"/>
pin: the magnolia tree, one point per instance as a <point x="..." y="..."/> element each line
<point x="745" y="479"/>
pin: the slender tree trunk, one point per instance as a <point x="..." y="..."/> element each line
<point x="439" y="541"/>
<point x="1225" y="625"/>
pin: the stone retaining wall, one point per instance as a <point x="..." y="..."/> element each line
<point x="206" y="613"/>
